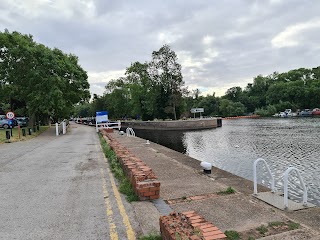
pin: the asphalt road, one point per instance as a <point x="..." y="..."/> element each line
<point x="60" y="187"/>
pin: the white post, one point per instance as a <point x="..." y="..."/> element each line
<point x="64" y="127"/>
<point x="57" y="129"/>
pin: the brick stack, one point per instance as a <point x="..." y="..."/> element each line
<point x="188" y="225"/>
<point x="142" y="178"/>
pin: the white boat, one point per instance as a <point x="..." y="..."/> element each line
<point x="287" y="113"/>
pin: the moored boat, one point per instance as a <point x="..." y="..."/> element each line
<point x="316" y="111"/>
<point x="305" y="113"/>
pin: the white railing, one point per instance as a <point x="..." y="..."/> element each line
<point x="285" y="186"/>
<point x="255" y="183"/>
<point x="108" y="125"/>
<point x="130" y="132"/>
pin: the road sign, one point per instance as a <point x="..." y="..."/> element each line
<point x="197" y="110"/>
<point x="10" y="115"/>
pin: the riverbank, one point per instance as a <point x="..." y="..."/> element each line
<point x="190" y="124"/>
<point x="185" y="188"/>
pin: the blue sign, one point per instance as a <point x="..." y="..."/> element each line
<point x="102" y="113"/>
<point x="102" y="117"/>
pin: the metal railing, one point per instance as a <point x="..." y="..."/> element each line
<point x="255" y="183"/>
<point x="285" y="186"/>
<point x="108" y="125"/>
<point x="285" y="183"/>
<point x="130" y="132"/>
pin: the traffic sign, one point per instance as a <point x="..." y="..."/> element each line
<point x="10" y="115"/>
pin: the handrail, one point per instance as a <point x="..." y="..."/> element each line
<point x="130" y="132"/>
<point x="255" y="184"/>
<point x="286" y="174"/>
<point x="113" y="125"/>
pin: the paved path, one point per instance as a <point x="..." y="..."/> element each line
<point x="61" y="188"/>
<point x="186" y="188"/>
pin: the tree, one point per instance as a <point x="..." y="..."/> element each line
<point x="165" y="72"/>
<point x="48" y="81"/>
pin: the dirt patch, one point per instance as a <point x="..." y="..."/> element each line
<point x="271" y="229"/>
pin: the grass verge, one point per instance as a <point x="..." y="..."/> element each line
<point x="151" y="236"/>
<point x="125" y="186"/>
<point x="15" y="134"/>
<point x="229" y="190"/>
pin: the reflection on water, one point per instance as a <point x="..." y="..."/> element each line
<point x="238" y="143"/>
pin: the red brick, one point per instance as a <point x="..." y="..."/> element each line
<point x="146" y="194"/>
<point x="154" y="189"/>
<point x="208" y="229"/>
<point x="220" y="236"/>
<point x="211" y="233"/>
<point x="154" y="197"/>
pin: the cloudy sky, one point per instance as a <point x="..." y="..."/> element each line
<point x="220" y="44"/>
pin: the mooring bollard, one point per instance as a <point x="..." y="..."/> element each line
<point x="8" y="134"/>
<point x="23" y="132"/>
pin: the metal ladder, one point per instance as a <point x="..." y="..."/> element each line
<point x="130" y="132"/>
<point x="285" y="186"/>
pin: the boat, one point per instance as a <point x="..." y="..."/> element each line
<point x="316" y="111"/>
<point x="305" y="113"/>
<point x="287" y="113"/>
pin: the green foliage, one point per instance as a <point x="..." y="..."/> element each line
<point x="151" y="236"/>
<point x="262" y="229"/>
<point x="229" y="190"/>
<point x="276" y="224"/>
<point x="293" y="225"/>
<point x="232" y="235"/>
<point x="45" y="82"/>
<point x="124" y="183"/>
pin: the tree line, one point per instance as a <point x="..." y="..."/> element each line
<point x="155" y="90"/>
<point x="37" y="81"/>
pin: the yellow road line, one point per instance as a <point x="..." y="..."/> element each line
<point x="130" y="232"/>
<point x="125" y="218"/>
<point x="112" y="227"/>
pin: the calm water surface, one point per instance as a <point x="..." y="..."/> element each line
<point x="238" y="143"/>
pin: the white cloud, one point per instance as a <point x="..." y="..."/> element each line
<point x="207" y="40"/>
<point x="293" y="35"/>
<point x="98" y="80"/>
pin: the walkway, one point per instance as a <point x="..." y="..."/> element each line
<point x="185" y="188"/>
<point x="60" y="187"/>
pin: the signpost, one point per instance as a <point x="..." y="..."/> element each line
<point x="10" y="115"/>
<point x="101" y="117"/>
<point x="196" y="110"/>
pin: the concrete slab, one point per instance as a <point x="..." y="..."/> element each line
<point x="277" y="200"/>
<point x="232" y="212"/>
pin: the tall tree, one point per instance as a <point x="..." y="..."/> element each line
<point x="165" y="71"/>
<point x="48" y="81"/>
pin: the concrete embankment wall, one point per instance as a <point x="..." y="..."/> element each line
<point x="194" y="124"/>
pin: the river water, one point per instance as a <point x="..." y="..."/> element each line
<point x="283" y="143"/>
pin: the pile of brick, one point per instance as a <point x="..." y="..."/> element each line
<point x="188" y="225"/>
<point x="142" y="178"/>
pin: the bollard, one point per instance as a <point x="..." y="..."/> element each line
<point x="34" y="129"/>
<point x="30" y="131"/>
<point x="23" y="132"/>
<point x="38" y="127"/>
<point x="11" y="131"/>
<point x="8" y="134"/>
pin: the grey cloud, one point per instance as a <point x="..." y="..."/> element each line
<point x="121" y="32"/>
